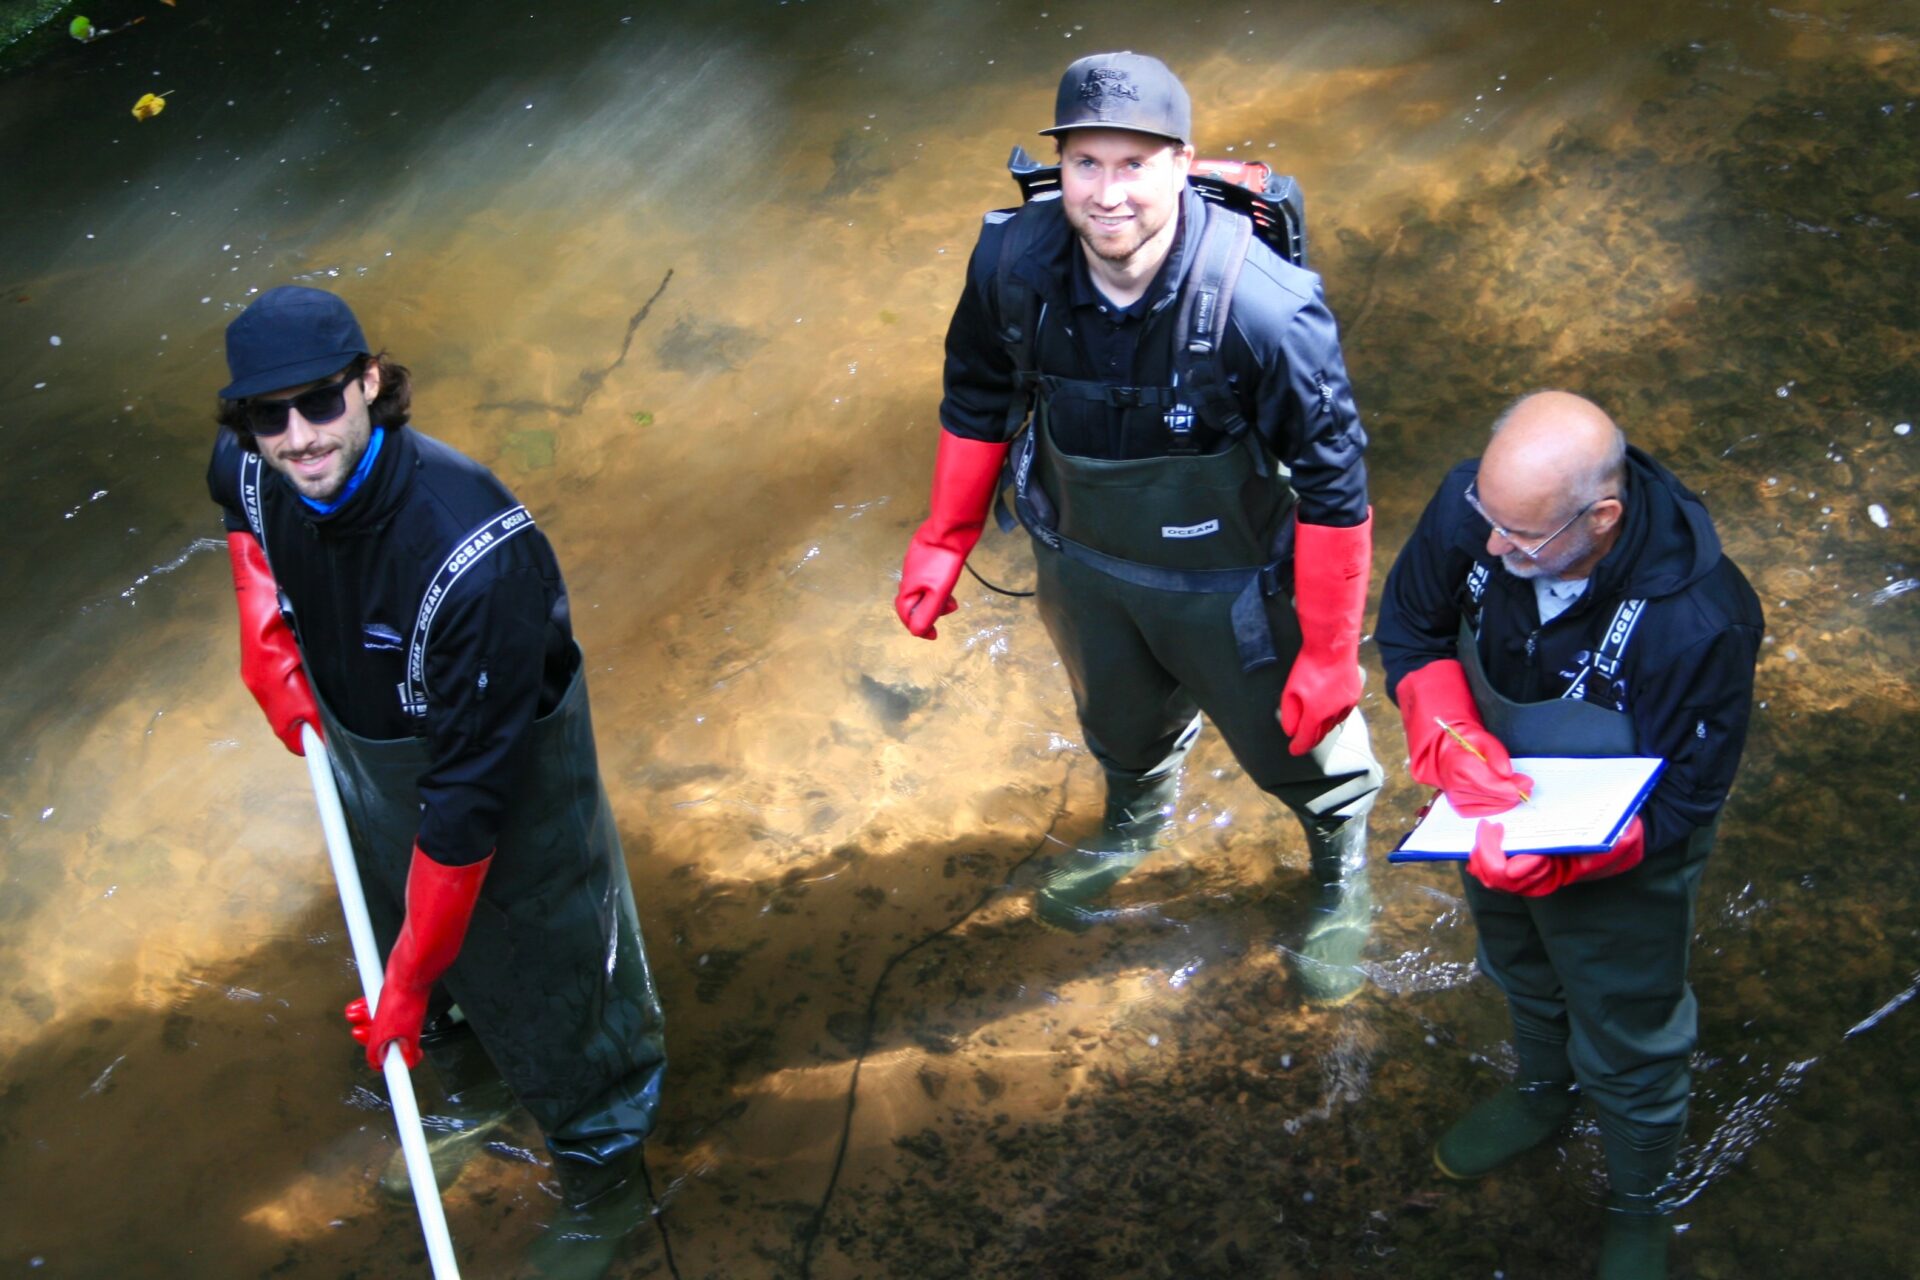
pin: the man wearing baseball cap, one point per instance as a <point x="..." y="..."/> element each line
<point x="1167" y="519"/>
<point x="395" y="596"/>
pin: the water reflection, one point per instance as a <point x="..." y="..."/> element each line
<point x="682" y="281"/>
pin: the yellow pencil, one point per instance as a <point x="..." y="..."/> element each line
<point x="1460" y="738"/>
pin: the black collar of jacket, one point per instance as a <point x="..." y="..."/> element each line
<point x="1047" y="266"/>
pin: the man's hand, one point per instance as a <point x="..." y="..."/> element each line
<point x="1330" y="571"/>
<point x="1449" y="748"/>
<point x="269" y="658"/>
<point x="1535" y="875"/>
<point x="440" y="902"/>
<point x="965" y="475"/>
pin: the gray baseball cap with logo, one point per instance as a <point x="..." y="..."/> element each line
<point x="1123" y="91"/>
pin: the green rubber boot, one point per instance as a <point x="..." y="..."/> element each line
<point x="1136" y="813"/>
<point x="1329" y="960"/>
<point x="603" y="1206"/>
<point x="1524" y="1114"/>
<point x="1634" y="1244"/>
<point x="477" y="1103"/>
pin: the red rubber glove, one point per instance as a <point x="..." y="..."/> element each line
<point x="1330" y="570"/>
<point x="440" y="902"/>
<point x="1476" y="786"/>
<point x="966" y="474"/>
<point x="1536" y="875"/>
<point x="269" y="658"/>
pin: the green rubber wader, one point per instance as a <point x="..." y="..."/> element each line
<point x="1601" y="965"/>
<point x="553" y="974"/>
<point x="1144" y="662"/>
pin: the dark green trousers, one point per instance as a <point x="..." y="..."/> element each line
<point x="553" y="975"/>
<point x="1144" y="662"/>
<point x="1600" y="967"/>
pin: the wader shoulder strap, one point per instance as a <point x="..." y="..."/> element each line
<point x="250" y="476"/>
<point x="1608" y="657"/>
<point x="1201" y="330"/>
<point x="250" y="497"/>
<point x="472" y="549"/>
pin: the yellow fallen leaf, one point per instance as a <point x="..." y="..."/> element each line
<point x="149" y="106"/>
<point x="170" y="4"/>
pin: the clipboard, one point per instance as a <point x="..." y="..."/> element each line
<point x="1580" y="805"/>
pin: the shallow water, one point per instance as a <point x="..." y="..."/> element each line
<point x="680" y="274"/>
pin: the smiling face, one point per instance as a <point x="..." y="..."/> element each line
<point x="318" y="457"/>
<point x="1120" y="191"/>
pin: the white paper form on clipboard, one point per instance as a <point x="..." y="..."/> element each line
<point x="1579" y="805"/>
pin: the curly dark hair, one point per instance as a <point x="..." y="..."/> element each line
<point x="393" y="407"/>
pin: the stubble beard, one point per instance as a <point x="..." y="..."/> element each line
<point x="1111" y="249"/>
<point x="1551" y="567"/>
<point x="326" y="487"/>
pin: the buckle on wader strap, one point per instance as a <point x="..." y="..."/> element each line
<point x="1030" y="501"/>
<point x="1608" y="658"/>
<point x="1180" y="419"/>
<point x="1025" y="383"/>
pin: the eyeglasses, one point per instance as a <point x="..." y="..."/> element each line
<point x="318" y="405"/>
<point x="1532" y="552"/>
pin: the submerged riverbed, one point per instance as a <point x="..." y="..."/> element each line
<point x="680" y="275"/>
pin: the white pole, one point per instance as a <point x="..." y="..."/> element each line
<point x="406" y="1112"/>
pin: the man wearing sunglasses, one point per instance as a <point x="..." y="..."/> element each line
<point x="1566" y="595"/>
<point x="395" y="596"/>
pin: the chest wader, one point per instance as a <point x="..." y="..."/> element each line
<point x="1164" y="583"/>
<point x="1596" y="974"/>
<point x="552" y="976"/>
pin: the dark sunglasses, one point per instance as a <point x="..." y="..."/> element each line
<point x="317" y="405"/>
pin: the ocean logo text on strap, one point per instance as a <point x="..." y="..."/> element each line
<point x="1608" y="657"/>
<point x="250" y="496"/>
<point x="472" y="549"/>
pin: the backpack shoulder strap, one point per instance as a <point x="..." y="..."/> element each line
<point x="1201" y="326"/>
<point x="1017" y="306"/>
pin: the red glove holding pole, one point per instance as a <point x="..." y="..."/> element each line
<point x="1536" y="875"/>
<point x="966" y="474"/>
<point x="1330" y="570"/>
<point x="269" y="658"/>
<point x="1448" y="747"/>
<point x="440" y="902"/>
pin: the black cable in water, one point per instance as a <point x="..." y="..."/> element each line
<point x="659" y="1216"/>
<point x="811" y="1231"/>
<point x="1018" y="595"/>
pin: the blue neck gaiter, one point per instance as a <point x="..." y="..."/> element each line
<point x="360" y="473"/>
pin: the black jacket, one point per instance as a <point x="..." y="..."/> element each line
<point x="1282" y="355"/>
<point x="500" y="647"/>
<point x="1687" y="680"/>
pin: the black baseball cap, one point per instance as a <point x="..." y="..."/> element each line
<point x="289" y="336"/>
<point x="1123" y="91"/>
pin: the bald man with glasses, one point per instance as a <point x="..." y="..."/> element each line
<point x="1566" y="595"/>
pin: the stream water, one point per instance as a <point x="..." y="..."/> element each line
<point x="680" y="274"/>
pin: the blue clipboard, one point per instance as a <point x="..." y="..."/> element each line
<point x="1626" y="815"/>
